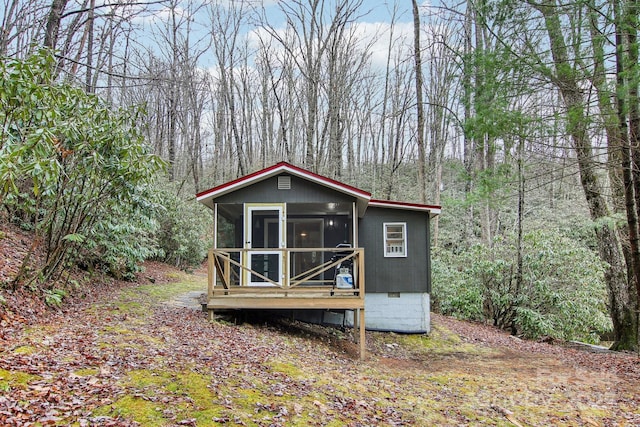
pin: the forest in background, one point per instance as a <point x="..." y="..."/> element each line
<point x="519" y="118"/>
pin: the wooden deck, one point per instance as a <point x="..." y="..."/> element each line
<point x="226" y="292"/>
<point x="280" y="299"/>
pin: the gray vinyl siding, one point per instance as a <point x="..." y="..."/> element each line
<point x="302" y="191"/>
<point x="410" y="274"/>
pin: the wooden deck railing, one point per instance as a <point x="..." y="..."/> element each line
<point x="231" y="272"/>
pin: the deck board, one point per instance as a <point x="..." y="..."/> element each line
<point x="262" y="301"/>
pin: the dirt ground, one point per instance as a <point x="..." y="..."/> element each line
<point x="124" y="356"/>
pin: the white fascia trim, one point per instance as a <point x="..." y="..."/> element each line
<point x="380" y="204"/>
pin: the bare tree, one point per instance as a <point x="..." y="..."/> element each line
<point x="53" y="23"/>
<point x="226" y="23"/>
<point x="9" y="22"/>
<point x="23" y="26"/>
<point x="419" y="104"/>
<point x="313" y="32"/>
<point x="440" y="92"/>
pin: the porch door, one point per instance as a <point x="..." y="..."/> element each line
<point x="264" y="232"/>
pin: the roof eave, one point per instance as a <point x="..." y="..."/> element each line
<point x="433" y="210"/>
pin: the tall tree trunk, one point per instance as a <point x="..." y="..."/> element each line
<point x="89" y="87"/>
<point x="333" y="115"/>
<point x="469" y="150"/>
<point x="609" y="247"/>
<point x="173" y="96"/>
<point x="53" y="23"/>
<point x="521" y="192"/>
<point x="7" y="27"/>
<point x="312" y="82"/>
<point x="422" y="157"/>
<point x="631" y="68"/>
<point x="484" y="143"/>
<point x="609" y="112"/>
<point x="385" y="101"/>
<point x="622" y="142"/>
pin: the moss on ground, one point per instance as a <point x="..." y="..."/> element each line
<point x="441" y="341"/>
<point x="286" y="368"/>
<point x="135" y="408"/>
<point x="15" y="379"/>
<point x="24" y="349"/>
<point x="183" y="283"/>
<point x="190" y="389"/>
<point x="86" y="372"/>
<point x="37" y="332"/>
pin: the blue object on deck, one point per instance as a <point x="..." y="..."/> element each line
<point x="344" y="281"/>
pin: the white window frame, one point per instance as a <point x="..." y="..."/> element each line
<point x="402" y="240"/>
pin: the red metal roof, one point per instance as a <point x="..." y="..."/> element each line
<point x="363" y="197"/>
<point x="276" y="169"/>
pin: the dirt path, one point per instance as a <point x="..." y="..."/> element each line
<point x="189" y="300"/>
<point x="132" y="360"/>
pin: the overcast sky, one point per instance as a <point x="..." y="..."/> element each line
<point x="372" y="24"/>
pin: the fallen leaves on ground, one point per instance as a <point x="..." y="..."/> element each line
<point x="118" y="355"/>
<point x="127" y="359"/>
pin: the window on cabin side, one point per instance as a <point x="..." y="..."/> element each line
<point x="395" y="239"/>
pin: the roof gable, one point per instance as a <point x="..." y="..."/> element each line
<point x="206" y="197"/>
<point x="362" y="197"/>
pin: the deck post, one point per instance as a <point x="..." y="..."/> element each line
<point x="210" y="275"/>
<point x="361" y="330"/>
<point x="227" y="270"/>
<point x="360" y="266"/>
<point x="355" y="324"/>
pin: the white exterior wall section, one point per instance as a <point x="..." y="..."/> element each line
<point x="408" y="313"/>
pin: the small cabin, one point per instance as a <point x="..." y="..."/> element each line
<point x="288" y="238"/>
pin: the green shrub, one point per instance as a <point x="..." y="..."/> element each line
<point x="454" y="292"/>
<point x="183" y="229"/>
<point x="561" y="292"/>
<point x="120" y="242"/>
<point x="70" y="167"/>
<point x="54" y="297"/>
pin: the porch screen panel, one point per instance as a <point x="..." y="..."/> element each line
<point x="305" y="233"/>
<point x="266" y="264"/>
<point x="265" y="229"/>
